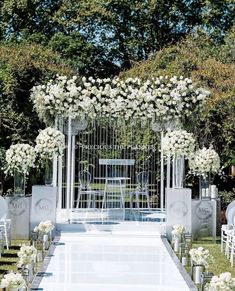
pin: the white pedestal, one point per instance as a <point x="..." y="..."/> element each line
<point x="178" y="208"/>
<point x="43" y="204"/>
<point x="19" y="213"/>
<point x="205" y="218"/>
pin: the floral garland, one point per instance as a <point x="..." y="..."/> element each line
<point x="50" y="142"/>
<point x="201" y="256"/>
<point x="13" y="281"/>
<point x="161" y="98"/>
<point x="27" y="255"/>
<point x="204" y="161"/>
<point x="223" y="282"/>
<point x="44" y="227"/>
<point x="178" y="143"/>
<point x="20" y="157"/>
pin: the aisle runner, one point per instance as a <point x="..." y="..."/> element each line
<point x="109" y="262"/>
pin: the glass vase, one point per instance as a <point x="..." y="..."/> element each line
<point x="204" y="187"/>
<point x="49" y="172"/>
<point x="197" y="272"/>
<point x="179" y="172"/>
<point x="19" y="183"/>
<point x="46" y="242"/>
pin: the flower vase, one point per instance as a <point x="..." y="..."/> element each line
<point x="45" y="242"/>
<point x="197" y="272"/>
<point x="19" y="183"/>
<point x="179" y="172"/>
<point x="49" y="172"/>
<point x="204" y="187"/>
<point x="39" y="256"/>
<point x="176" y="244"/>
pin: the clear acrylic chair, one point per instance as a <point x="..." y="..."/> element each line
<point x="5" y="224"/>
<point x="84" y="178"/>
<point x="141" y="189"/>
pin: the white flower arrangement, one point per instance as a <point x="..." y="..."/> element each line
<point x="201" y="256"/>
<point x="178" y="230"/>
<point x="27" y="255"/>
<point x="13" y="281"/>
<point x="44" y="227"/>
<point x="204" y="161"/>
<point x="179" y="143"/>
<point x="20" y="157"/>
<point x="160" y="98"/>
<point x="50" y="142"/>
<point x="223" y="282"/>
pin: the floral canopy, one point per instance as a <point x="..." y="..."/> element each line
<point x="161" y="98"/>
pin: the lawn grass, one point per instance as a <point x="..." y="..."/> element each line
<point x="221" y="264"/>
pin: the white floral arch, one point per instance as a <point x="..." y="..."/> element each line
<point x="161" y="99"/>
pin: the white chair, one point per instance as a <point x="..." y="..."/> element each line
<point x="224" y="231"/>
<point x="229" y="240"/>
<point x="141" y="189"/>
<point x="85" y="189"/>
<point x="232" y="249"/>
<point x="5" y="224"/>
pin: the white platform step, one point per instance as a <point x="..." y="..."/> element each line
<point x="124" y="227"/>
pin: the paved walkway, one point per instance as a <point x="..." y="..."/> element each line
<point x="112" y="262"/>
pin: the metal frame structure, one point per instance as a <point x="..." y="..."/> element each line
<point x="70" y="161"/>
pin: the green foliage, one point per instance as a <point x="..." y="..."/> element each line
<point x="115" y="32"/>
<point x="209" y="65"/>
<point x="22" y="66"/>
<point x="226" y="198"/>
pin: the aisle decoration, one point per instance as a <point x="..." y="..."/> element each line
<point x="44" y="227"/>
<point x="19" y="159"/>
<point x="177" y="232"/>
<point x="44" y="230"/>
<point x="200" y="260"/>
<point x="223" y="282"/>
<point x="201" y="256"/>
<point x="160" y="98"/>
<point x="27" y="255"/>
<point x="13" y="281"/>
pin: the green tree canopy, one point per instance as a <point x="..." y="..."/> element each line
<point x="112" y="33"/>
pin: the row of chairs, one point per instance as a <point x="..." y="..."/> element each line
<point x="228" y="242"/>
<point x="141" y="190"/>
<point x="5" y="224"/>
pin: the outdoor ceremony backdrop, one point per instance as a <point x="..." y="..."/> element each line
<point x="103" y="38"/>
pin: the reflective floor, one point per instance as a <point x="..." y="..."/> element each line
<point x="111" y="262"/>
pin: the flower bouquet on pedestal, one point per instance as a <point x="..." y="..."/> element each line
<point x="179" y="144"/>
<point x="49" y="143"/>
<point x="205" y="163"/>
<point x="20" y="158"/>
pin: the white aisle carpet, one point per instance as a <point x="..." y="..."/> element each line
<point x="111" y="262"/>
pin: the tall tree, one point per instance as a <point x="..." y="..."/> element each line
<point x="113" y="33"/>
